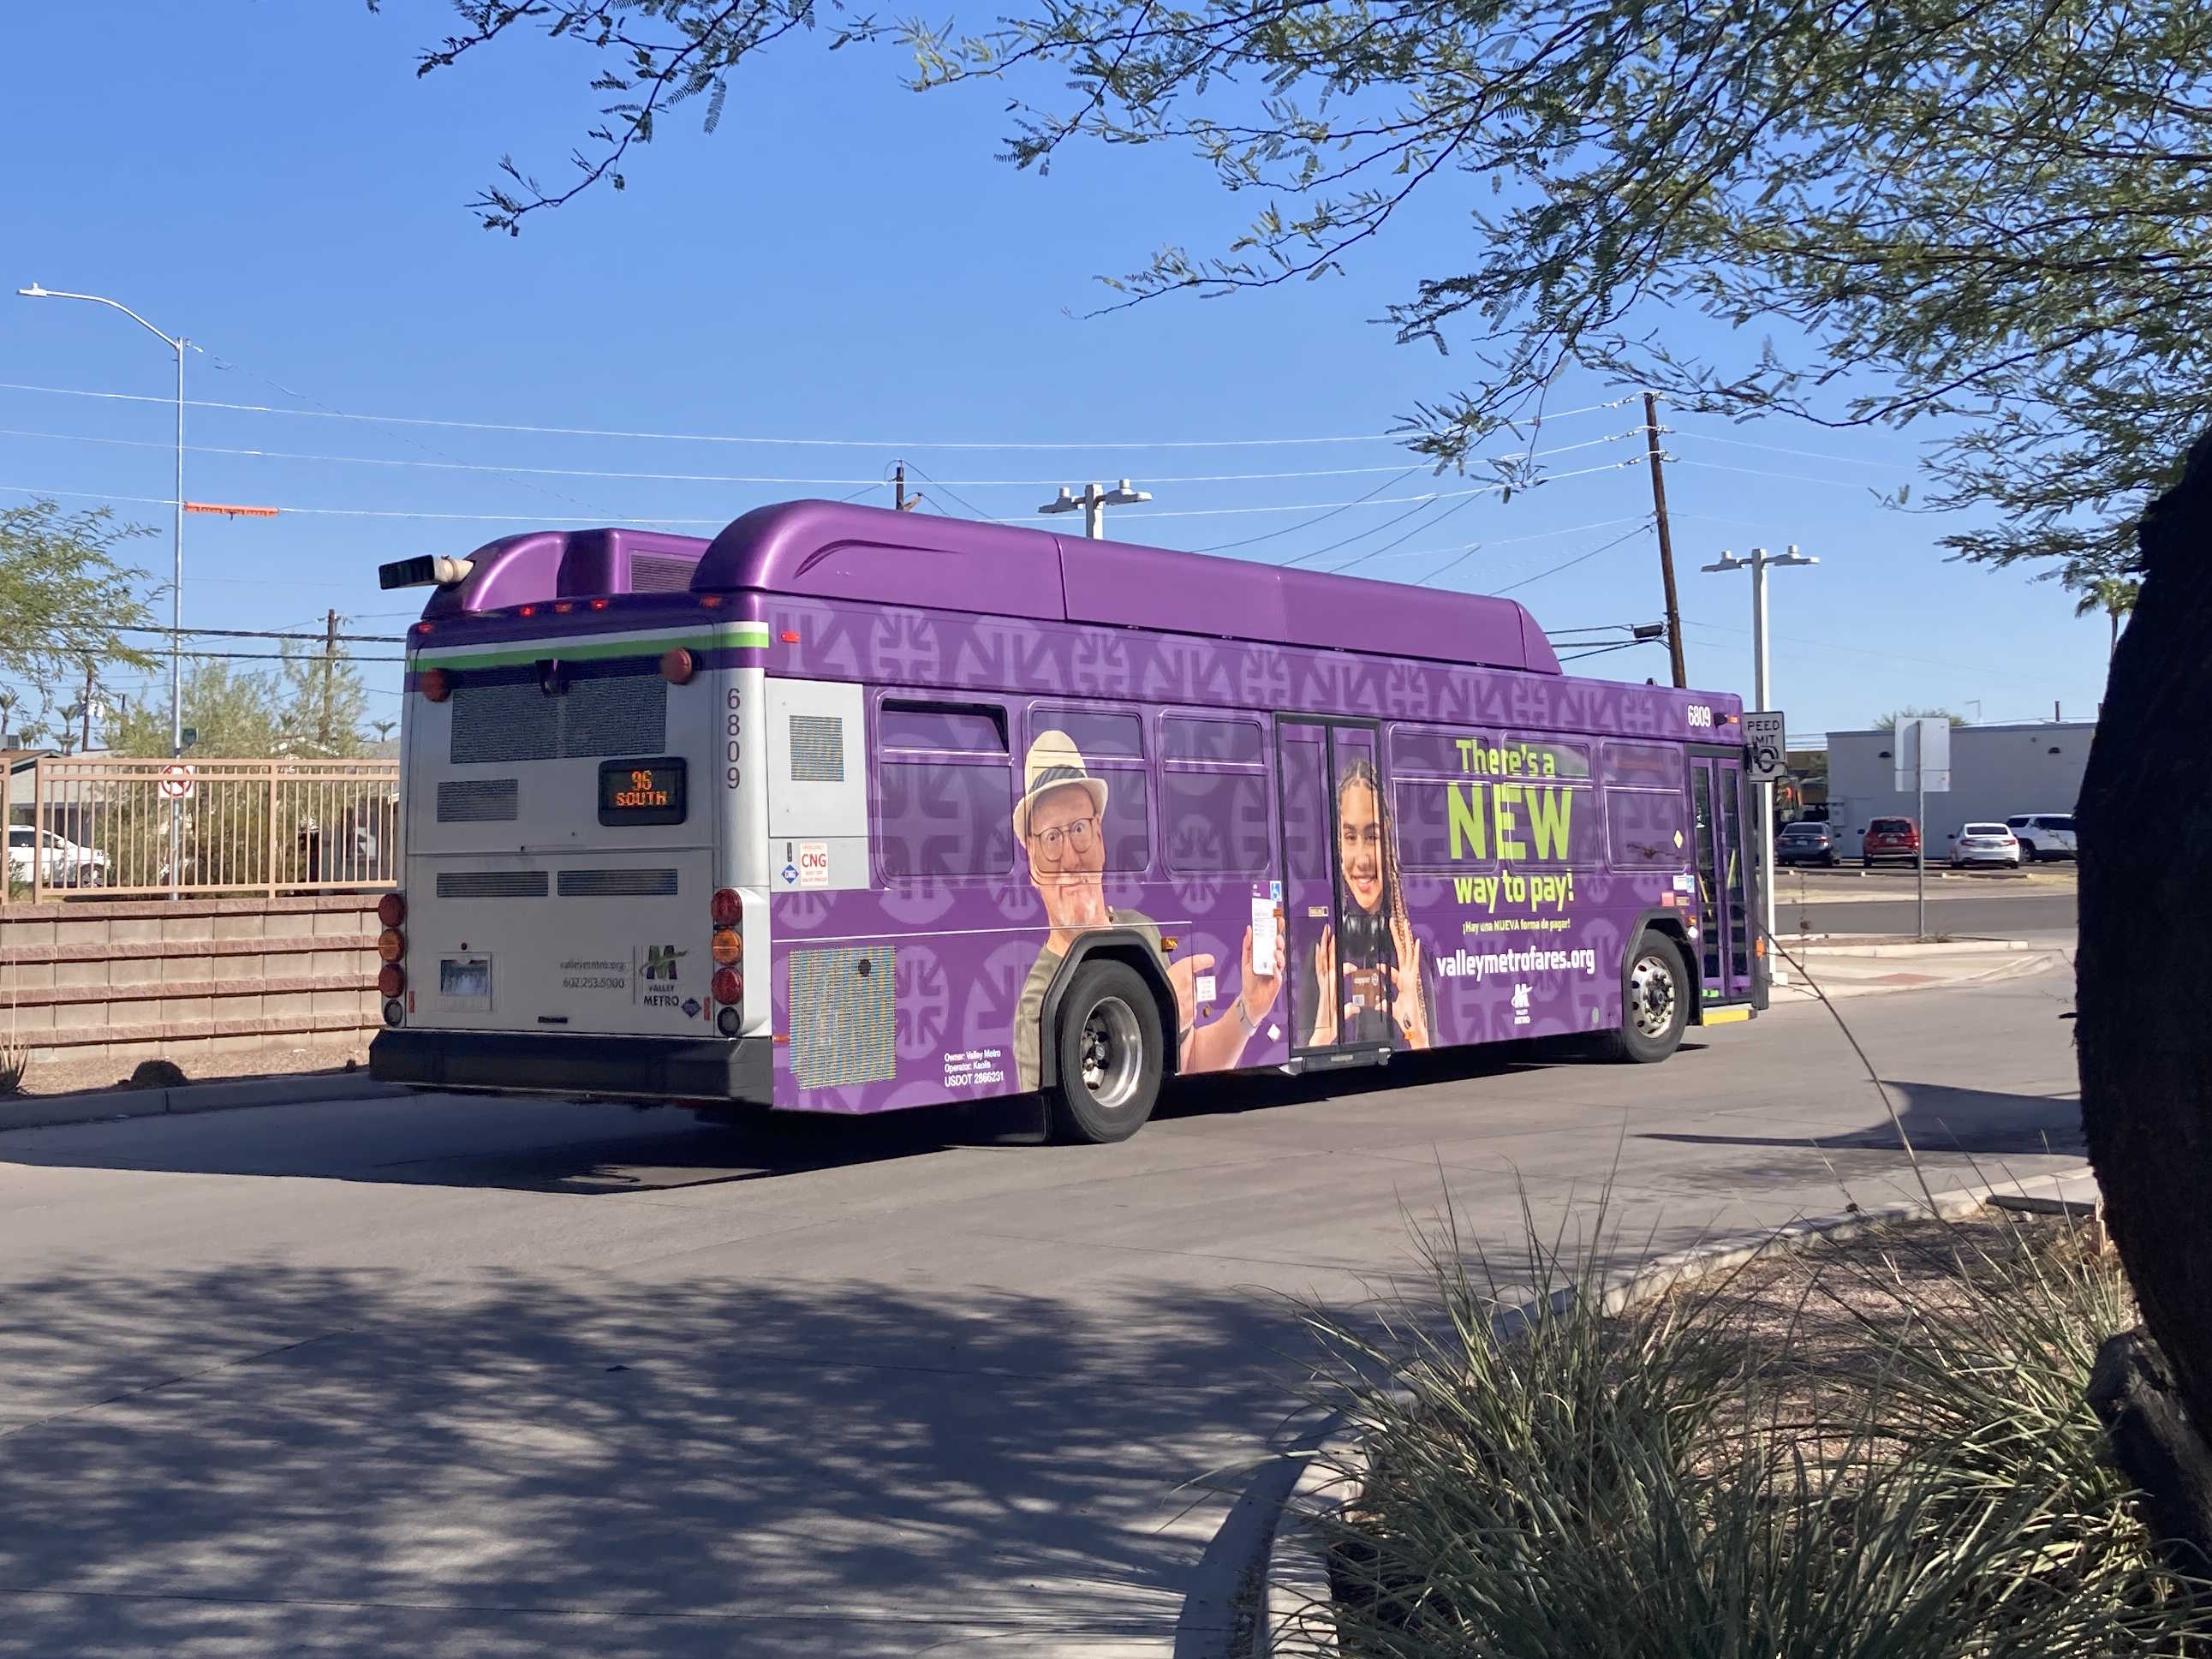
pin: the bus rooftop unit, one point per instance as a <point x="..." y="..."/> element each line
<point x="849" y="810"/>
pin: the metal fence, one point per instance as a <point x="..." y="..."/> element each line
<point x="91" y="826"/>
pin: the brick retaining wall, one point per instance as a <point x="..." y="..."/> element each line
<point x="124" y="981"/>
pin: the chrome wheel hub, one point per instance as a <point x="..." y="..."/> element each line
<point x="1651" y="996"/>
<point x="1112" y="1054"/>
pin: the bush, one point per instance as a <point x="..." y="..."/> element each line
<point x="1716" y="1474"/>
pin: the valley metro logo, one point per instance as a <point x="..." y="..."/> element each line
<point x="660" y="962"/>
<point x="1520" y="1005"/>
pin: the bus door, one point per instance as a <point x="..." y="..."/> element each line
<point x="1314" y="757"/>
<point x="1726" y="915"/>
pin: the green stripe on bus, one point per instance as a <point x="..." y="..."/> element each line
<point x="741" y="634"/>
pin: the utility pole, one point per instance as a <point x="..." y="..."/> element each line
<point x="329" y="667"/>
<point x="85" y="745"/>
<point x="901" y="501"/>
<point x="1665" y="543"/>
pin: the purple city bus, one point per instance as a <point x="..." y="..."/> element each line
<point x="849" y="810"/>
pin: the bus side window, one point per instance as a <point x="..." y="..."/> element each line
<point x="1214" y="797"/>
<point x="944" y="789"/>
<point x="1110" y="742"/>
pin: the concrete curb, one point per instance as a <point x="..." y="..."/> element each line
<point x="1794" y="992"/>
<point x="1295" y="1592"/>
<point x="309" y="1089"/>
<point x="1834" y="944"/>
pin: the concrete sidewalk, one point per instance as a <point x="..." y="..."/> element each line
<point x="1856" y="966"/>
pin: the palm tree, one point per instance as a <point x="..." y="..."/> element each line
<point x="2116" y="597"/>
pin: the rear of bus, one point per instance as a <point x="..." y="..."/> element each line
<point x="576" y="891"/>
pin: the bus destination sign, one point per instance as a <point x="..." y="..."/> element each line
<point x="641" y="791"/>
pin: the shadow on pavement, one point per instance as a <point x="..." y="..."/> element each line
<point x="1940" y="1118"/>
<point x="272" y="1459"/>
<point x="606" y="1150"/>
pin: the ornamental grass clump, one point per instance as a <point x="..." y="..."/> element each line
<point x="1870" y="1451"/>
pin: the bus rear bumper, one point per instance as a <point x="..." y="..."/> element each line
<point x="624" y="1067"/>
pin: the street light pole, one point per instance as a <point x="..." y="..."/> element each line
<point x="177" y="343"/>
<point x="1757" y="564"/>
<point x="1093" y="502"/>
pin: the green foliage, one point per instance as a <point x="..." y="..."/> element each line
<point x="305" y="709"/>
<point x="2113" y="595"/>
<point x="1992" y="219"/>
<point x="66" y="600"/>
<point x="1678" y="1480"/>
<point x="1888" y="722"/>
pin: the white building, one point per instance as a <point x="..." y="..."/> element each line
<point x="1997" y="772"/>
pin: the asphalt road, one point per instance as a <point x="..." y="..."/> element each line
<point x="2039" y="906"/>
<point x="466" y="1377"/>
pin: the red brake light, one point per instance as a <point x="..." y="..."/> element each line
<point x="391" y="980"/>
<point x="392" y="909"/>
<point x="678" y="665"/>
<point x="727" y="987"/>
<point x="435" y="684"/>
<point x="599" y="605"/>
<point x="729" y="907"/>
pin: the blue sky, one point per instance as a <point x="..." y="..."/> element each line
<point x="843" y="260"/>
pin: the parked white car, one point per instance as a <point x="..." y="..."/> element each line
<point x="59" y="861"/>
<point x="2043" y="835"/>
<point x="1984" y="843"/>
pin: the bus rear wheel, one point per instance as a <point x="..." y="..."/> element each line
<point x="1110" y="1056"/>
<point x="1656" y="1007"/>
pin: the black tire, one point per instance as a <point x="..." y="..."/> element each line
<point x="1651" y="1029"/>
<point x="2027" y="852"/>
<point x="1110" y="1053"/>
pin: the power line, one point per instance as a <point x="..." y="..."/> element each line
<point x="320" y="636"/>
<point x="1293" y="529"/>
<point x="1697" y="436"/>
<point x="681" y="478"/>
<point x="1011" y="519"/>
<point x="1578" y="559"/>
<point x="1763" y="472"/>
<point x="724" y="437"/>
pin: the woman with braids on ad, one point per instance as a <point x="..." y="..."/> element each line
<point x="1383" y="995"/>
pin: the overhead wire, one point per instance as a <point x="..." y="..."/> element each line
<point x="725" y="438"/>
<point x="718" y="521"/>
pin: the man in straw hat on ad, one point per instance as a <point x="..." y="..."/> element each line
<point x="1060" y="824"/>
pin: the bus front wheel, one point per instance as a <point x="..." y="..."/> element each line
<point x="1110" y="1056"/>
<point x="1656" y="1007"/>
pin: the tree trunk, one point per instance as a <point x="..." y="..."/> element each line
<point x="2146" y="937"/>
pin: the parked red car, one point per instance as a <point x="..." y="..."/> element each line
<point x="1890" y="838"/>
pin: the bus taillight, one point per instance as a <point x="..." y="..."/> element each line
<point x="728" y="988"/>
<point x="728" y="907"/>
<point x="435" y="684"/>
<point x="392" y="909"/>
<point x="726" y="947"/>
<point x="391" y="980"/>
<point x="391" y="945"/>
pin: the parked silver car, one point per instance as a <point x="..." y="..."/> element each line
<point x="1984" y="843"/>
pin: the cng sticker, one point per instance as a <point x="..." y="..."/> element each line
<point x="791" y="875"/>
<point x="814" y="864"/>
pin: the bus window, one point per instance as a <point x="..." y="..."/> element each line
<point x="944" y="790"/>
<point x="1214" y="797"/>
<point x="1108" y="743"/>
<point x="1645" y="829"/>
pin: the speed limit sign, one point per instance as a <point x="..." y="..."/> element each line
<point x="1765" y="750"/>
<point x="176" y="782"/>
